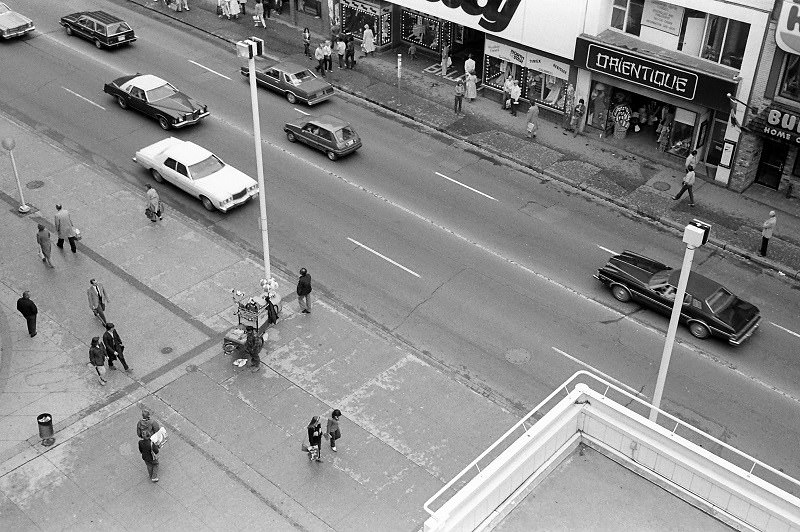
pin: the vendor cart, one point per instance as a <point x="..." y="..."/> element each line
<point x="253" y="313"/>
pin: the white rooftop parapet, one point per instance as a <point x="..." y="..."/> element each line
<point x="581" y="411"/>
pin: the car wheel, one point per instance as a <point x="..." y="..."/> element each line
<point x="158" y="177"/>
<point x="68" y="30"/>
<point x="621" y="293"/>
<point x="331" y="155"/>
<point x="163" y="122"/>
<point x="699" y="330"/>
<point x="98" y="44"/>
<point x="122" y="103"/>
<point x="290" y="136"/>
<point x="207" y="204"/>
<point x="291" y="98"/>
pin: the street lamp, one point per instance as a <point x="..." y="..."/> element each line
<point x="695" y="235"/>
<point x="249" y="49"/>
<point x="9" y="144"/>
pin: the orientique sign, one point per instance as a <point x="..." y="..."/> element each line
<point x="655" y="76"/>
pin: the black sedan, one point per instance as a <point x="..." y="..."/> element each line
<point x="709" y="309"/>
<point x="293" y="81"/>
<point x="104" y="30"/>
<point x="156" y="98"/>
<point x="326" y="133"/>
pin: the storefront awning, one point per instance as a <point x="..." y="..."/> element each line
<point x="672" y="73"/>
<point x="777" y="122"/>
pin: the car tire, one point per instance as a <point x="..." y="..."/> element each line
<point x="68" y="30"/>
<point x="158" y="177"/>
<point x="163" y="122"/>
<point x="699" y="330"/>
<point x="331" y="155"/>
<point x="98" y="44"/>
<point x="207" y="204"/>
<point x="122" y="103"/>
<point x="292" y="99"/>
<point x="621" y="293"/>
<point x="291" y="136"/>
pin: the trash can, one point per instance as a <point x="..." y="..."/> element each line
<point x="45" y="422"/>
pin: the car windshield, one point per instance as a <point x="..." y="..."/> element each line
<point x="206" y="167"/>
<point x="159" y="93"/>
<point x="4" y="8"/>
<point x="299" y="77"/>
<point x="345" y="134"/>
<point x="719" y="300"/>
<point x="117" y="27"/>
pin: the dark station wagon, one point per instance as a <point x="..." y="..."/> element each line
<point x="104" y="30"/>
<point x="295" y="82"/>
<point x="326" y="133"/>
<point x="709" y="309"/>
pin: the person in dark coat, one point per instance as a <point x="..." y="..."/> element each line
<point x="149" y="451"/>
<point x="304" y="291"/>
<point x="43" y="239"/>
<point x="314" y="439"/>
<point x="350" y="52"/>
<point x="28" y="309"/>
<point x="97" y="357"/>
<point x="252" y="347"/>
<point x="114" y="347"/>
<point x="332" y="428"/>
<point x="146" y="425"/>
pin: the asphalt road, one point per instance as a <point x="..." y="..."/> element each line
<point x="485" y="268"/>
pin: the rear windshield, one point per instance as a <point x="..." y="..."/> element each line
<point x="117" y="27"/>
<point x="345" y="134"/>
<point x="720" y="300"/>
<point x="298" y="77"/>
<point x="206" y="167"/>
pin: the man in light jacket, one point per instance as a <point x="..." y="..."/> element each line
<point x="97" y="299"/>
<point x="766" y="232"/>
<point x="64" y="228"/>
<point x="688" y="183"/>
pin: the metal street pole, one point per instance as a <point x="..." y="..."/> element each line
<point x="695" y="235"/>
<point x="253" y="47"/>
<point x="9" y="144"/>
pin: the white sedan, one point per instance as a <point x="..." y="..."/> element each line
<point x="197" y="171"/>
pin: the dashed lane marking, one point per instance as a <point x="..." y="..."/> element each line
<point x="608" y="250"/>
<point x="384" y="257"/>
<point x="459" y="183"/>
<point x="301" y="111"/>
<point x="210" y="70"/>
<point x="785" y="329"/>
<point x="87" y="100"/>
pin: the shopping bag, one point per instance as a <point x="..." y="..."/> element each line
<point x="41" y="255"/>
<point x="78" y="235"/>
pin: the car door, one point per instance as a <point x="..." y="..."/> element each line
<point x="176" y="173"/>
<point x="84" y="27"/>
<point x="270" y="78"/>
<point x="136" y="100"/>
<point x="325" y="140"/>
<point x="309" y="134"/>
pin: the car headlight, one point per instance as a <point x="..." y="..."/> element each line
<point x="226" y="201"/>
<point x="252" y="188"/>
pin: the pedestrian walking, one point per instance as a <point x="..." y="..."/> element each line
<point x="252" y="346"/>
<point x="533" y="120"/>
<point x="115" y="349"/>
<point x="146" y="424"/>
<point x="181" y="5"/>
<point x="516" y="92"/>
<point x="268" y="10"/>
<point x="153" y="208"/>
<point x="688" y="183"/>
<point x="469" y="65"/>
<point x="691" y="160"/>
<point x="412" y="51"/>
<point x="326" y="53"/>
<point x="258" y="18"/>
<point x="243" y="7"/>
<point x="577" y="118"/>
<point x="458" y="96"/>
<point x="314" y="439"/>
<point x="97" y="299"/>
<point x="304" y="291"/>
<point x="64" y="228"/>
<point x="306" y="40"/>
<point x="445" y="60"/>
<point x="97" y="357"/>
<point x="506" y="103"/>
<point x="368" y="41"/>
<point x="233" y="9"/>
<point x="149" y="451"/>
<point x="766" y="232"/>
<point x="332" y="428"/>
<point x="28" y="309"/>
<point x="319" y="55"/>
<point x="45" y="247"/>
<point x="222" y="9"/>
<point x="472" y="86"/>
<point x="278" y="7"/>
<point x="350" y="52"/>
<point x="341" y="48"/>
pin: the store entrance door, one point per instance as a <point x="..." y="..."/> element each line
<point x="770" y="167"/>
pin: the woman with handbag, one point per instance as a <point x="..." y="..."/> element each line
<point x="314" y="439"/>
<point x="43" y="239"/>
<point x="153" y="209"/>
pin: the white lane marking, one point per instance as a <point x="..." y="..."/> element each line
<point x="301" y="111"/>
<point x="87" y="100"/>
<point x="212" y="71"/>
<point x="384" y="257"/>
<point x="595" y="370"/>
<point x="465" y="186"/>
<point x="785" y="329"/>
<point x="608" y="250"/>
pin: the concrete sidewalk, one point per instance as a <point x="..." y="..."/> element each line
<point x="640" y="183"/>
<point x="234" y="460"/>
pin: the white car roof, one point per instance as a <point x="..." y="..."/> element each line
<point x="188" y="153"/>
<point x="146" y="82"/>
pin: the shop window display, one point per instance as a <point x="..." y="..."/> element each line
<point x="546" y="89"/>
<point x="354" y="20"/>
<point x="420" y="29"/>
<point x="497" y="70"/>
<point x="682" y="132"/>
<point x="790" y="84"/>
